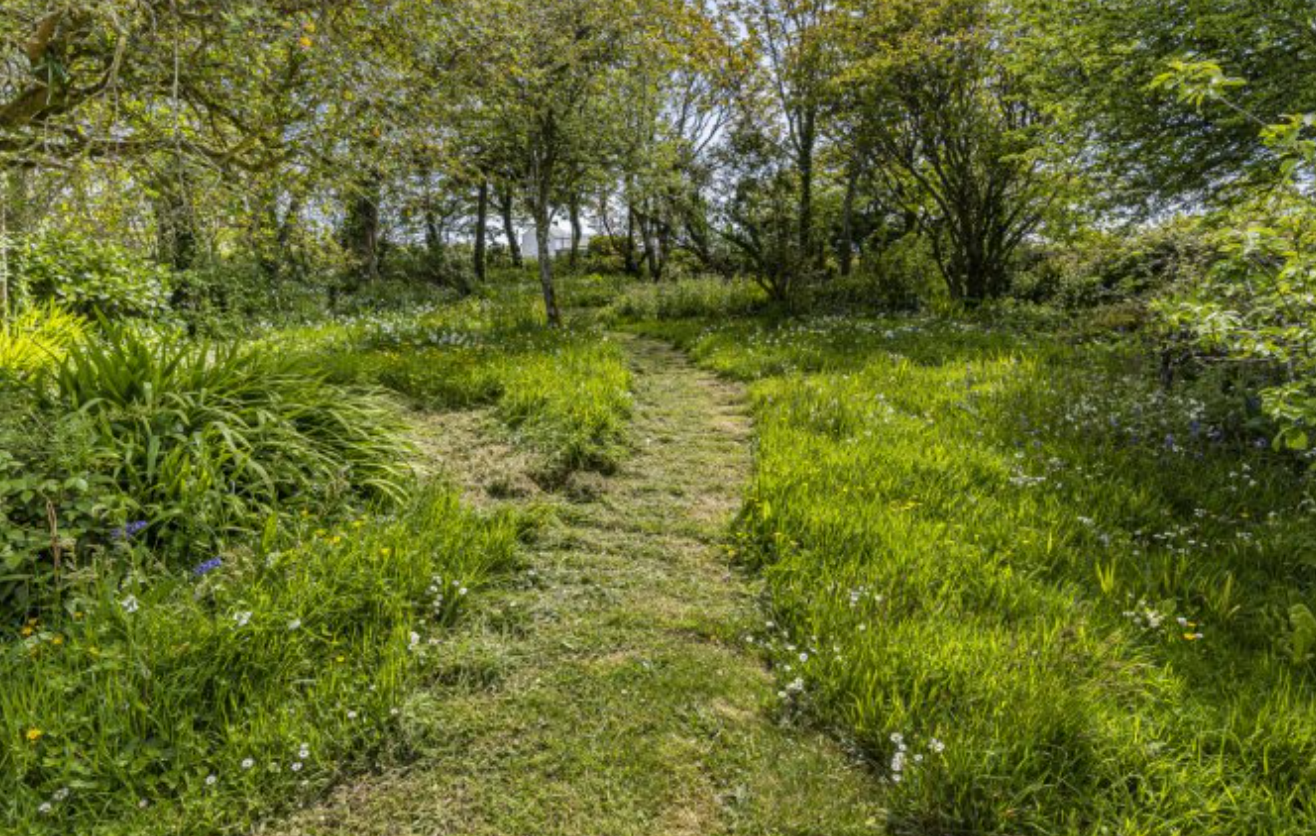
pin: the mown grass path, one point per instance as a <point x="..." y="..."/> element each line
<point x="611" y="693"/>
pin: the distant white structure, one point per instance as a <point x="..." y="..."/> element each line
<point x="559" y="241"/>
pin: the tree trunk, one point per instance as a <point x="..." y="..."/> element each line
<point x="632" y="266"/>
<point x="4" y="263"/>
<point x="697" y="230"/>
<point x="651" y="256"/>
<point x="846" y="245"/>
<point x="546" y="264"/>
<point x="573" y="208"/>
<point x="506" y="203"/>
<point x="433" y="235"/>
<point x="175" y="228"/>
<point x="361" y="230"/>
<point x="663" y="245"/>
<point x="807" y="139"/>
<point x="481" y="228"/>
<point x="13" y="198"/>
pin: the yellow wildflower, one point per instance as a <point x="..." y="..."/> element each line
<point x="33" y="735"/>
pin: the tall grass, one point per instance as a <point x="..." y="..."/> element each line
<point x="172" y="703"/>
<point x="684" y="298"/>
<point x="1044" y="595"/>
<point x="565" y="393"/>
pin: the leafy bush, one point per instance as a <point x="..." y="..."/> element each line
<point x="1256" y="311"/>
<point x="56" y="496"/>
<point x="228" y="297"/>
<point x="187" y="703"/>
<point x="1105" y="269"/>
<point x="451" y="270"/>
<point x="87" y="276"/>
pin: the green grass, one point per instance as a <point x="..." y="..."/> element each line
<point x="678" y="299"/>
<point x="988" y="541"/>
<point x="170" y="684"/>
<point x="564" y="393"/>
<point x="169" y="703"/>
<point x="609" y="692"/>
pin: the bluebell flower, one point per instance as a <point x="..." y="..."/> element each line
<point x="130" y="530"/>
<point x="207" y="567"/>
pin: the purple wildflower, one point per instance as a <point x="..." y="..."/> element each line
<point x="130" y="530"/>
<point x="207" y="567"/>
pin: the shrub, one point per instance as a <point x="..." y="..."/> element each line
<point x="1104" y="269"/>
<point x="229" y="296"/>
<point x="1256" y="312"/>
<point x="87" y="277"/>
<point x="451" y="268"/>
<point x="56" y="495"/>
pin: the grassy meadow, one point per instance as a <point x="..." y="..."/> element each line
<point x="1032" y="588"/>
<point x="248" y="582"/>
<point x="1042" y="593"/>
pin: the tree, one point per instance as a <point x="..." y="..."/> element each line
<point x="550" y="77"/>
<point x="959" y="140"/>
<point x="792" y="41"/>
<point x="1257" y="306"/>
<point x="760" y="209"/>
<point x="1093" y="65"/>
<point x="677" y="110"/>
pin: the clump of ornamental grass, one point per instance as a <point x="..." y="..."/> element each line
<point x="38" y="337"/>
<point x="207" y="438"/>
